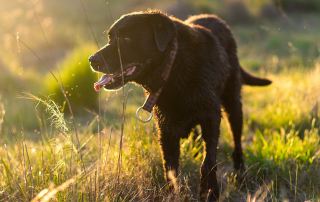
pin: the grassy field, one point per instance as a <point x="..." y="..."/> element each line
<point x="46" y="155"/>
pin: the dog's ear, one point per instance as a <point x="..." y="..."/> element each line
<point x="164" y="29"/>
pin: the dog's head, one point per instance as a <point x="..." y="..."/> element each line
<point x="137" y="42"/>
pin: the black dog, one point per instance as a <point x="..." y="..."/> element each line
<point x="205" y="75"/>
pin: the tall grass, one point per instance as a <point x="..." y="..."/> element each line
<point x="280" y="163"/>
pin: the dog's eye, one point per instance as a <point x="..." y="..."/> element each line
<point x="127" y="39"/>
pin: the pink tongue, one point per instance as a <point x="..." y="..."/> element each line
<point x="103" y="81"/>
<point x="131" y="71"/>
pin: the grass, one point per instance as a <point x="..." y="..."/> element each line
<point x="281" y="163"/>
<point x="41" y="160"/>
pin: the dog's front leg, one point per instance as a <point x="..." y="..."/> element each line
<point x="170" y="146"/>
<point x="210" y="134"/>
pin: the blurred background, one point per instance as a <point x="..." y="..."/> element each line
<point x="273" y="36"/>
<point x="278" y="39"/>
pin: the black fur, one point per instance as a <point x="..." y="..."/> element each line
<point x="206" y="76"/>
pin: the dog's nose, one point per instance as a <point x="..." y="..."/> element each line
<point x="94" y="59"/>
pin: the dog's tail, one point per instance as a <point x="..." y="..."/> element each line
<point x="252" y="80"/>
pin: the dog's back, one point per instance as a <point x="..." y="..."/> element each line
<point x="222" y="31"/>
<point x="217" y="27"/>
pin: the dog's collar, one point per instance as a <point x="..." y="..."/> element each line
<point x="153" y="96"/>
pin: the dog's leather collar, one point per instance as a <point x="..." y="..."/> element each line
<point x="153" y="96"/>
<point x="155" y="85"/>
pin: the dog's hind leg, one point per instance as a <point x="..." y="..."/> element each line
<point x="210" y="133"/>
<point x="233" y="108"/>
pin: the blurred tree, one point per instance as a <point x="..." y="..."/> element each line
<point x="237" y="12"/>
<point x="269" y="11"/>
<point x="299" y="5"/>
